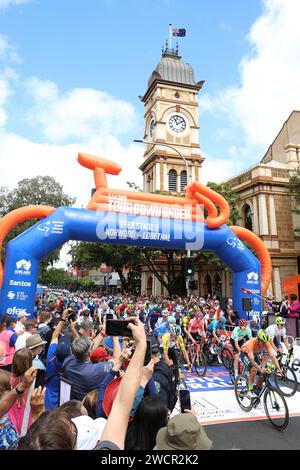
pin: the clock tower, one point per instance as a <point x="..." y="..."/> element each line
<point x="171" y="120"/>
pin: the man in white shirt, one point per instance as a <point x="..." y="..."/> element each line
<point x="20" y="325"/>
<point x="30" y="329"/>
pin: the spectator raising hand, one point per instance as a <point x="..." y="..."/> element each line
<point x="37" y="402"/>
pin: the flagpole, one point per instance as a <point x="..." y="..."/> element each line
<point x="170" y="28"/>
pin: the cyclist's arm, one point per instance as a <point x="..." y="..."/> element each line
<point x="273" y="358"/>
<point x="216" y="337"/>
<point x="272" y="343"/>
<point x="237" y="345"/>
<point x="165" y="346"/>
<point x="253" y="362"/>
<point x="188" y="332"/>
<point x="202" y="333"/>
<point x="183" y="350"/>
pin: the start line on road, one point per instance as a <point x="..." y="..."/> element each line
<point x="214" y="400"/>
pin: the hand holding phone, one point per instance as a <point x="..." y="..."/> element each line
<point x="118" y="328"/>
<point x="185" y="400"/>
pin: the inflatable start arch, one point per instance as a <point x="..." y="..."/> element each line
<point x="132" y="218"/>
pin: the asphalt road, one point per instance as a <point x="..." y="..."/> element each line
<point x="254" y="435"/>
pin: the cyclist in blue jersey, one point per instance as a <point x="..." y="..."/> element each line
<point x="215" y="326"/>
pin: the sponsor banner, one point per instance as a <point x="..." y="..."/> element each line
<point x="221" y="407"/>
<point x="216" y="378"/>
<point x="15" y="310"/>
<point x="52" y="227"/>
<point x="214" y="400"/>
<point x="23" y="267"/>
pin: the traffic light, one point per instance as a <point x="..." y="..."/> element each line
<point x="193" y="285"/>
<point x="189" y="267"/>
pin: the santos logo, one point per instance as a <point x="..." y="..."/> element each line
<point x="19" y="283"/>
<point x="11" y="295"/>
<point x="15" y="311"/>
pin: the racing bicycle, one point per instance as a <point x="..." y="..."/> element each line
<point x="274" y="402"/>
<point x="197" y="358"/>
<point x="221" y="352"/>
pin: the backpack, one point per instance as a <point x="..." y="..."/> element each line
<point x="165" y="383"/>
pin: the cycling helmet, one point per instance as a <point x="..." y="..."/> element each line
<point x="178" y="309"/>
<point x="196" y="308"/>
<point x="171" y="320"/>
<point x="243" y="322"/>
<point x="280" y="321"/>
<point x="175" y="329"/>
<point x="263" y="336"/>
<point x="165" y="312"/>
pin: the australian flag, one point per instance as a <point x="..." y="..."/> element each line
<point x="178" y="32"/>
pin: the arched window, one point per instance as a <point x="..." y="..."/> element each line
<point x="247" y="217"/>
<point x="183" y="180"/>
<point x="173" y="181"/>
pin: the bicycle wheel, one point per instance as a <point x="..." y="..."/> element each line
<point x="226" y="355"/>
<point x="286" y="383"/>
<point x="242" y="394"/>
<point x="200" y="364"/>
<point x="231" y="370"/>
<point x="276" y="408"/>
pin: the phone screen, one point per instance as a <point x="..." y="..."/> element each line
<point x="185" y="400"/>
<point x="118" y="328"/>
<point x="148" y="353"/>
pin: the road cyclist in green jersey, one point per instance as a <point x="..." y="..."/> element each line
<point x="240" y="334"/>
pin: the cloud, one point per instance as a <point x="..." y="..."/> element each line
<point x="6" y="3"/>
<point x="270" y="76"/>
<point x="79" y="113"/>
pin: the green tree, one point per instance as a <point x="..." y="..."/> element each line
<point x="119" y="257"/>
<point x="52" y="276"/>
<point x="39" y="190"/>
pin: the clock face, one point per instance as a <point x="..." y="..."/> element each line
<point x="152" y="124"/>
<point x="177" y="123"/>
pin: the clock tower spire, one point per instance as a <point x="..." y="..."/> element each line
<point x="171" y="118"/>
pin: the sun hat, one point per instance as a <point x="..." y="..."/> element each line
<point x="99" y="355"/>
<point x="89" y="431"/>
<point x="183" y="432"/>
<point x="110" y="394"/>
<point x="23" y="314"/>
<point x="33" y="341"/>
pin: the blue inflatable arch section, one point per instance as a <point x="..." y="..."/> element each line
<point x="25" y="252"/>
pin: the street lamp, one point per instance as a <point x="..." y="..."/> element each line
<point x="139" y="141"/>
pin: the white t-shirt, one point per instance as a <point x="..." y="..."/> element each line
<point x="19" y="327"/>
<point x="273" y="330"/>
<point x="21" y="341"/>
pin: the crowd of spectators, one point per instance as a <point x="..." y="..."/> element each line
<point x="116" y="400"/>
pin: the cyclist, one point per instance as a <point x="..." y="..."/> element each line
<point x="196" y="327"/>
<point x="168" y="346"/>
<point x="215" y="327"/>
<point x="249" y="354"/>
<point x="185" y="323"/>
<point x="277" y="331"/>
<point x="238" y="338"/>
